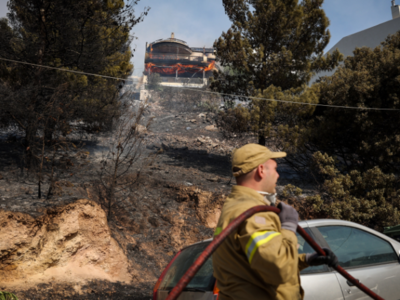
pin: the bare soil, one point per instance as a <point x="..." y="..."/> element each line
<point x="175" y="203"/>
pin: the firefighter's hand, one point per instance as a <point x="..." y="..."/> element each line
<point x="288" y="216"/>
<point x="315" y="259"/>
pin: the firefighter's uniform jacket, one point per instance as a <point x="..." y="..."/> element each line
<point x="260" y="259"/>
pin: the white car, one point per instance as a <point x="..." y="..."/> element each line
<point x="366" y="254"/>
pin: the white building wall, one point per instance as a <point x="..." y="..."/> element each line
<point x="371" y="38"/>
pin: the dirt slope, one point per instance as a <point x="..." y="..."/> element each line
<point x="67" y="244"/>
<point x="69" y="252"/>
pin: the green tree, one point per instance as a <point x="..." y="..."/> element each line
<point x="275" y="43"/>
<point x="88" y="36"/>
<point x="282" y="122"/>
<point x="354" y="154"/>
<point x="361" y="139"/>
<point x="371" y="198"/>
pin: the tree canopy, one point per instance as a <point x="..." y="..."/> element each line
<point x="354" y="154"/>
<point x="276" y="43"/>
<point x="362" y="138"/>
<point x="88" y="36"/>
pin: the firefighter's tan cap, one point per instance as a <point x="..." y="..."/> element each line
<point x="250" y="157"/>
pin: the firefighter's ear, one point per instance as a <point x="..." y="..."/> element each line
<point x="260" y="171"/>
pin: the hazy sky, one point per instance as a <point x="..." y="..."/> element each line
<point x="201" y="22"/>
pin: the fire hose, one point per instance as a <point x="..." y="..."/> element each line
<point x="187" y="277"/>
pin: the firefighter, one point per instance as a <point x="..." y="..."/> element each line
<point x="260" y="260"/>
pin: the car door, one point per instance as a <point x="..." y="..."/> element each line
<point x="368" y="258"/>
<point x="318" y="282"/>
<point x="202" y="284"/>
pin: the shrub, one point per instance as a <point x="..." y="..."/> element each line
<point x="7" y="296"/>
<point x="371" y="198"/>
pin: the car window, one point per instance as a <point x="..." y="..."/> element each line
<point x="357" y="248"/>
<point x="304" y="247"/>
<point x="202" y="280"/>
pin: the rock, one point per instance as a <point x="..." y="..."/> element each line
<point x="188" y="128"/>
<point x="201" y="115"/>
<point x="141" y="129"/>
<point x="212" y="218"/>
<point x="155" y="146"/>
<point x="202" y="198"/>
<point x="188" y="183"/>
<point x="211" y="128"/>
<point x="193" y="121"/>
<point x="214" y="179"/>
<point x="164" y="146"/>
<point x="201" y="140"/>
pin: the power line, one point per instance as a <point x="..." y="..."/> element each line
<point x="209" y="92"/>
<point x="294" y="102"/>
<point x="54" y="68"/>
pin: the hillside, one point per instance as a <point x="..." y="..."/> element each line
<point x="63" y="247"/>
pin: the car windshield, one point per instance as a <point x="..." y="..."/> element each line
<point x="203" y="280"/>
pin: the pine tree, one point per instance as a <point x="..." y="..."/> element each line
<point x="354" y="154"/>
<point x="361" y="139"/>
<point x="88" y="36"/>
<point x="273" y="46"/>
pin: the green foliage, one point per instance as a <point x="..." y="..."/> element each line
<point x="281" y="122"/>
<point x="209" y="105"/>
<point x="7" y="296"/>
<point x="371" y="198"/>
<point x="354" y="155"/>
<point x="272" y="44"/>
<point x="88" y="36"/>
<point x="291" y="190"/>
<point x="361" y="139"/>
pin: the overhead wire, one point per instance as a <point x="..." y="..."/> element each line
<point x="60" y="69"/>
<point x="300" y="103"/>
<point x="208" y="92"/>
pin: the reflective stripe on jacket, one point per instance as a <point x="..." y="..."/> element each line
<point x="259" y="260"/>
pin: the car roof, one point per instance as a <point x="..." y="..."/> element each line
<point x="325" y="222"/>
